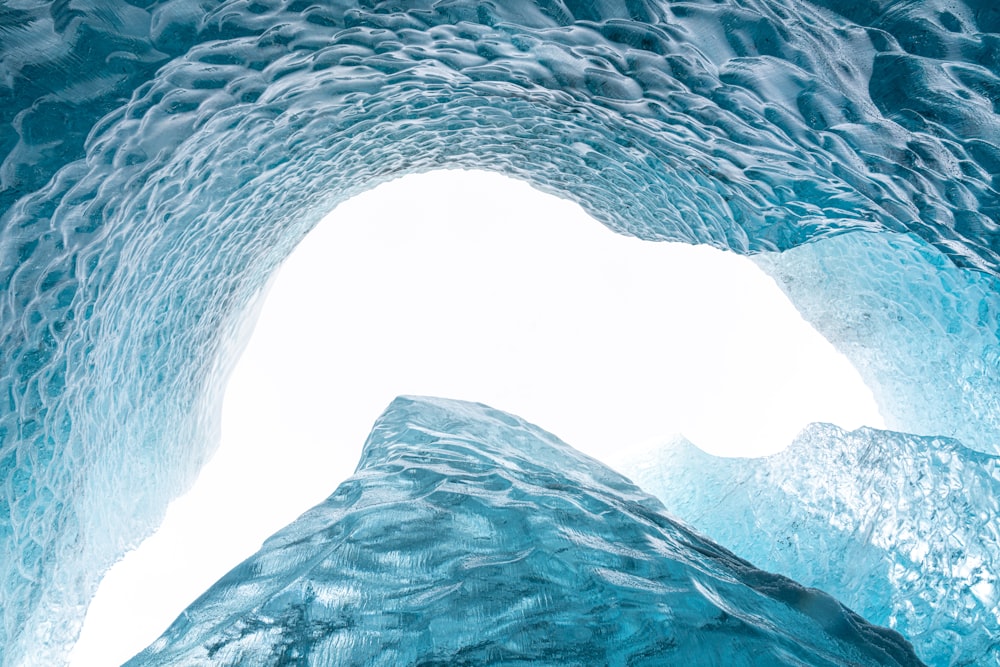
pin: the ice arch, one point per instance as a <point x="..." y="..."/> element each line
<point x="161" y="157"/>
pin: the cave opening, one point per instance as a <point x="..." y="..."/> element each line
<point x="532" y="307"/>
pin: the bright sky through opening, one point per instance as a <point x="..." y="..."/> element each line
<point x="470" y="285"/>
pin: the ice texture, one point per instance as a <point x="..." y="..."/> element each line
<point x="160" y="158"/>
<point x="944" y="328"/>
<point x="469" y="536"/>
<point x="905" y="530"/>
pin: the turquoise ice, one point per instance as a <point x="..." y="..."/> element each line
<point x="903" y="529"/>
<point x="470" y="537"/>
<point x="161" y="158"/>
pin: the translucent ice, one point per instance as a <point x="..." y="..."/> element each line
<point x="160" y="158"/>
<point x="905" y="530"/>
<point x="468" y="536"/>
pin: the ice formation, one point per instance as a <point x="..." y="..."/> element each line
<point x="160" y="158"/>
<point x="904" y="530"/>
<point x="468" y="536"/>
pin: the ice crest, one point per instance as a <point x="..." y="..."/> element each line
<point x="904" y="530"/>
<point x="468" y="536"/>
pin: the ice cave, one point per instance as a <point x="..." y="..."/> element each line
<point x="162" y="157"/>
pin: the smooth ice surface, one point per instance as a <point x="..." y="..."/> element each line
<point x="904" y="530"/>
<point x="469" y="536"/>
<point x="160" y="158"/>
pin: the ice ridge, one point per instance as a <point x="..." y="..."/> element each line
<point x="905" y="530"/>
<point x="468" y="536"/>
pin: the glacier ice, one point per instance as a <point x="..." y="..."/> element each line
<point x="905" y="530"/>
<point x="913" y="379"/>
<point x="468" y="536"/>
<point x="160" y="158"/>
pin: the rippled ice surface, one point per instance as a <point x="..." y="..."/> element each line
<point x="904" y="530"/>
<point x="468" y="536"/>
<point x="160" y="158"/>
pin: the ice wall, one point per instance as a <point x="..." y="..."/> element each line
<point x="159" y="158"/>
<point x="939" y="375"/>
<point x="902" y="529"/>
<point x="468" y="536"/>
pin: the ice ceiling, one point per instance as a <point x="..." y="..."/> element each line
<point x="161" y="158"/>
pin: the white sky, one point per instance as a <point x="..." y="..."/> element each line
<point x="470" y="285"/>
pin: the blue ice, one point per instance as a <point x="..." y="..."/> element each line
<point x="160" y="159"/>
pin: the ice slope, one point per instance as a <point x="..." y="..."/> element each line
<point x="904" y="530"/>
<point x="158" y="158"/>
<point x="468" y="536"/>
